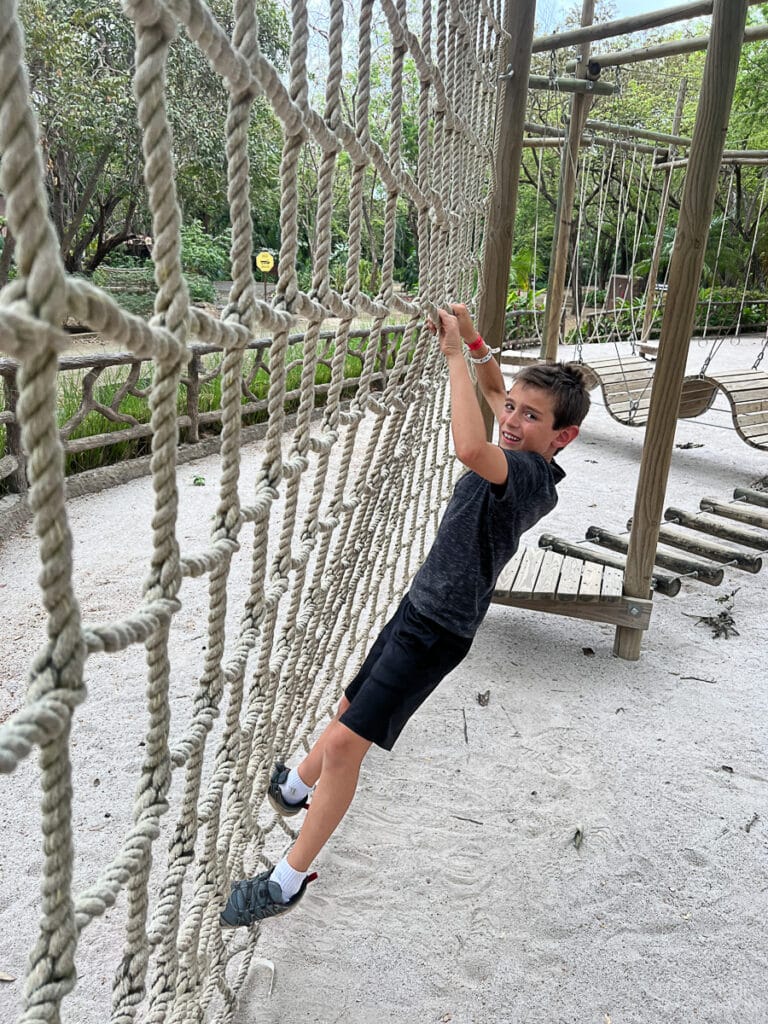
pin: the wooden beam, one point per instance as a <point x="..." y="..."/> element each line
<point x="741" y="161"/>
<point x="663" y="583"/>
<point x="671" y="140"/>
<point x="741" y="512"/>
<point x="558" y="267"/>
<point x="692" y="541"/>
<point x="575" y="85"/>
<point x="751" y="496"/>
<point x="627" y="612"/>
<point x="534" y="143"/>
<point x="682" y="565"/>
<point x="659" y="51"/>
<point x="625" y="26"/>
<point x="715" y="525"/>
<point x="720" y="69"/>
<point x="638" y="133"/>
<point x="551" y="135"/>
<point x="658" y="242"/>
<point x="519" y="17"/>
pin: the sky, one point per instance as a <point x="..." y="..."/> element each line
<point x="550" y="12"/>
<point x="628" y="8"/>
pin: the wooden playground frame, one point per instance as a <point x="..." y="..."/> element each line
<point x="723" y="46"/>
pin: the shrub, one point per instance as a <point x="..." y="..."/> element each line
<point x="594" y="296"/>
<point x="201" y="254"/>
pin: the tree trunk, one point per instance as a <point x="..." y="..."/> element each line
<point x="6" y="257"/>
<point x="73" y="227"/>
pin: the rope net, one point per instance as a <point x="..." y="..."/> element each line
<point x="336" y="519"/>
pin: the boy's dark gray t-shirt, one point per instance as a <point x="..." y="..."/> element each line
<point x="478" y="535"/>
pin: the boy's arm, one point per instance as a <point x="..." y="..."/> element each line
<point x="467" y="424"/>
<point x="489" y="377"/>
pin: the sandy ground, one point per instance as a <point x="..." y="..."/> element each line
<point x="590" y="847"/>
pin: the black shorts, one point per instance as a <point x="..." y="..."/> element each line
<point x="410" y="657"/>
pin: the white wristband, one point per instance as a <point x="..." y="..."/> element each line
<point x="486" y="358"/>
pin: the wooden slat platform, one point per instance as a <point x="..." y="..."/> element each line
<point x="588" y="582"/>
<point x="663" y="582"/>
<point x="546" y="581"/>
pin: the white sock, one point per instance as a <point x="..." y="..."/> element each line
<point x="287" y="878"/>
<point x="293" y="789"/>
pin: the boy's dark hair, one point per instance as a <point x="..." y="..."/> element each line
<point x="567" y="383"/>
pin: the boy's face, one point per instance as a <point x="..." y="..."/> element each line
<point x="527" y="423"/>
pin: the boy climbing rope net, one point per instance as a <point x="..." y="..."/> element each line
<point x="510" y="486"/>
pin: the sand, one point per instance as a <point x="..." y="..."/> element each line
<point x="591" y="846"/>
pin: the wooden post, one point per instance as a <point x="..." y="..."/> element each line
<point x="658" y="242"/>
<point x="721" y="66"/>
<point x="564" y="214"/>
<point x="193" y="398"/>
<point x="18" y="478"/>
<point x="519" y="20"/>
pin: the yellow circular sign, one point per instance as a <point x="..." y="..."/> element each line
<point x="265" y="261"/>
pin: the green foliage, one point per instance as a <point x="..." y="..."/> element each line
<point x="521" y="270"/>
<point x="70" y="392"/>
<point x="112" y="380"/>
<point x="81" y="58"/>
<point x="524" y="315"/>
<point x="724" y="308"/>
<point x="594" y="296"/>
<point x="202" y="255"/>
<point x="200" y="288"/>
<point x="408" y="273"/>
<point x="718" y="311"/>
<point x="134" y="289"/>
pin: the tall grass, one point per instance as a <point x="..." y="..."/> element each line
<point x="70" y="390"/>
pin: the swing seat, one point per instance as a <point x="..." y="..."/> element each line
<point x="626" y="385"/>
<point x="747" y="394"/>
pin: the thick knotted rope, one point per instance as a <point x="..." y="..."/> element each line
<point x="339" y="514"/>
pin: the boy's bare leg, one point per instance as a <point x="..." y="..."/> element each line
<point x="342" y="753"/>
<point x="309" y="769"/>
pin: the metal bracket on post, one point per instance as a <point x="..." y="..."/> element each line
<point x="509" y="73"/>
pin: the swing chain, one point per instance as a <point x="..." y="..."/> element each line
<point x="552" y="68"/>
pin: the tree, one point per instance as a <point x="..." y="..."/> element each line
<point x="81" y="57"/>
